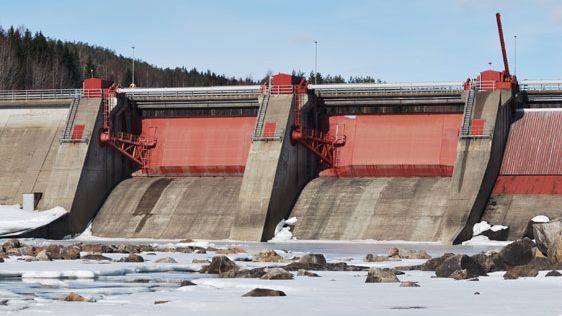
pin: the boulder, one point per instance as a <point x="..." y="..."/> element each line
<point x="166" y="260"/>
<point x="54" y="251"/>
<point x="459" y="275"/>
<point x="393" y="252"/>
<point x="258" y="292"/>
<point x="374" y="258"/>
<point x="27" y="250"/>
<point x="70" y="253"/>
<point x="459" y="262"/>
<point x="230" y="251"/>
<point x="95" y="257"/>
<point x="489" y="261"/>
<point x="126" y="248"/>
<point x="518" y="253"/>
<point x="277" y="274"/>
<point x="132" y="258"/>
<point x="496" y="233"/>
<point x="43" y="255"/>
<point x="376" y="275"/>
<point x="1" y="260"/>
<point x="555" y="250"/>
<point x="397" y="253"/>
<point x="75" y="297"/>
<point x="546" y="233"/>
<point x="553" y="273"/>
<point x="10" y="244"/>
<point x="303" y="272"/>
<point x="268" y="256"/>
<point x="409" y="284"/>
<point x="186" y="283"/>
<point x="433" y="263"/>
<point x="538" y="253"/>
<point x="97" y="248"/>
<point x="243" y="273"/>
<point x="221" y="264"/>
<point x="516" y="272"/>
<point x="313" y="258"/>
<point x="541" y="263"/>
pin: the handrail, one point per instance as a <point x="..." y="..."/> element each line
<point x="39" y="94"/>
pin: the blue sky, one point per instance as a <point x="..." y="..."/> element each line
<point x="408" y="40"/>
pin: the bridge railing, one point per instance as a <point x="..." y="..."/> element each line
<point x="388" y="87"/>
<point x="190" y="91"/>
<point x="540" y="85"/>
<point x="48" y="94"/>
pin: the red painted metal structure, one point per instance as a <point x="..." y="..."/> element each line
<point x="491" y="79"/>
<point x="532" y="161"/>
<point x="403" y="145"/>
<point x="134" y="147"/>
<point x="199" y="146"/>
<point x="323" y="145"/>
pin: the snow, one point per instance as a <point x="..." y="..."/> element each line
<point x="132" y="288"/>
<point x="483" y="226"/>
<point x="540" y="219"/>
<point x="15" y="221"/>
<point x="481" y="240"/>
<point x="283" y="230"/>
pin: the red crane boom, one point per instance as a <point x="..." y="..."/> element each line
<point x="502" y="43"/>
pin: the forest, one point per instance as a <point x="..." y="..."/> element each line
<point x="33" y="61"/>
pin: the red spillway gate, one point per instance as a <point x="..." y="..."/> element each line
<point x="397" y="145"/>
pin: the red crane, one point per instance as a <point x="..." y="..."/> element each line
<point x="506" y="76"/>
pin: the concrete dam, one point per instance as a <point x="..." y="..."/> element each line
<point x="414" y="161"/>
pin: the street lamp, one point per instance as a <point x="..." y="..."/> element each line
<point x="315" y="62"/>
<point x="133" y="80"/>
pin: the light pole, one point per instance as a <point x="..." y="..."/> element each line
<point x="133" y="80"/>
<point x="315" y="62"/>
<point x="515" y="62"/>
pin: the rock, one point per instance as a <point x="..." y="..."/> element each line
<point x="277" y="274"/>
<point x="432" y="264"/>
<point x="230" y="251"/>
<point x="374" y="258"/>
<point x="459" y="275"/>
<point x="541" y="263"/>
<point x="313" y="258"/>
<point x="1" y="260"/>
<point x="54" y="251"/>
<point x="95" y="257"/>
<point x="537" y="253"/>
<point x="459" y="262"/>
<point x="409" y="284"/>
<point x="303" y="272"/>
<point x="27" y="250"/>
<point x="553" y="273"/>
<point x="10" y="244"/>
<point x="186" y="283"/>
<point x="97" y="248"/>
<point x="521" y="271"/>
<point x="555" y="250"/>
<point x="75" y="297"/>
<point x="43" y="255"/>
<point x="125" y="248"/>
<point x="258" y="292"/>
<point x="204" y="261"/>
<point x="166" y="260"/>
<point x="268" y="256"/>
<point x="161" y="302"/>
<point x="376" y="275"/>
<point x="221" y="264"/>
<point x="489" y="261"/>
<point x="70" y="253"/>
<point x="186" y="241"/>
<point x="518" y="253"/>
<point x="132" y="258"/>
<point x="476" y="293"/>
<point x="243" y="273"/>
<point x="546" y="233"/>
<point x="393" y="252"/>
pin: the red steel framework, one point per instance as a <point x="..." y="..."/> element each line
<point x="136" y="148"/>
<point x="322" y="144"/>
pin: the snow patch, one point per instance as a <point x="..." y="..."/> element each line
<point x="15" y="221"/>
<point x="283" y="230"/>
<point x="540" y="219"/>
<point x="483" y="226"/>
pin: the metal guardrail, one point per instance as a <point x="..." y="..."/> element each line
<point x="388" y="87"/>
<point x="191" y="91"/>
<point x="540" y="85"/>
<point x="47" y="94"/>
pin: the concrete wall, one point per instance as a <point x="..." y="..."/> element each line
<point x="477" y="166"/>
<point x="174" y="208"/>
<point x="515" y="210"/>
<point x="385" y="208"/>
<point x="275" y="174"/>
<point x="29" y="143"/>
